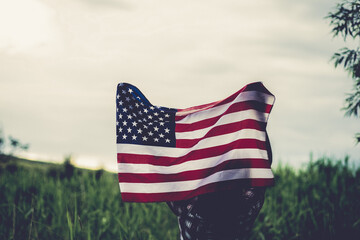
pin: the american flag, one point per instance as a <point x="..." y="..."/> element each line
<point x="167" y="154"/>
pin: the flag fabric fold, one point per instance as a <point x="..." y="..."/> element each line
<point x="167" y="154"/>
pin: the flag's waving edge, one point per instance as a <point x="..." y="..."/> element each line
<point x="167" y="154"/>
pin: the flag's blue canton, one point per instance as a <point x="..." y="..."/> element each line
<point x="139" y="122"/>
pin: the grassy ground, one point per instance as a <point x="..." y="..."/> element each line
<point x="48" y="201"/>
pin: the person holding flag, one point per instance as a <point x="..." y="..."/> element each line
<point x="210" y="163"/>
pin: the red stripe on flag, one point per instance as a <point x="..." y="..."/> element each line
<point x="193" y="155"/>
<point x="218" y="186"/>
<point x="220" y="130"/>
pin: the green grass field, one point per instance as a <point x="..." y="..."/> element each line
<point x="48" y="201"/>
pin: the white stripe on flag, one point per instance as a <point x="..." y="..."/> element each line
<point x="245" y="173"/>
<point x="230" y="137"/>
<point x="194" y="164"/>
<point x="226" y="119"/>
<point x="179" y="152"/>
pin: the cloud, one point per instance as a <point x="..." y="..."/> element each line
<point x="178" y="54"/>
<point x="308" y="9"/>
<point x="120" y="4"/>
<point x="25" y="27"/>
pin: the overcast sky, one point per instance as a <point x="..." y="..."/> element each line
<point x="60" y="62"/>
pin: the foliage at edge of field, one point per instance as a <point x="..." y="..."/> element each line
<point x="63" y="202"/>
